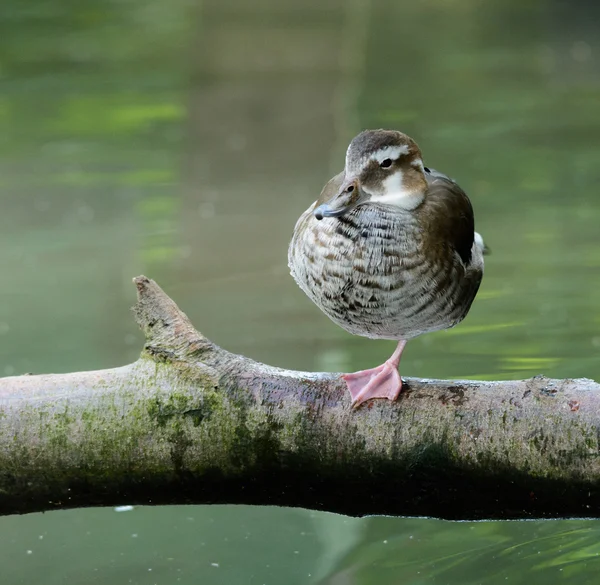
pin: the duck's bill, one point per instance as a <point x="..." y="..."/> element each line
<point x="326" y="211"/>
<point x="348" y="197"/>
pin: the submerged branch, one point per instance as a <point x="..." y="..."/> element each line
<point x="192" y="423"/>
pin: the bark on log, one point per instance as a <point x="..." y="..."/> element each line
<point x="192" y="423"/>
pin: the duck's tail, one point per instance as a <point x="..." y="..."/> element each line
<point x="481" y="244"/>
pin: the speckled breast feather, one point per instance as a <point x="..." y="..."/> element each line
<point x="372" y="273"/>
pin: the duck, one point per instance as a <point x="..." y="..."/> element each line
<point x="388" y="251"/>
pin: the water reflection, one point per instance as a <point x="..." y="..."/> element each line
<point x="182" y="140"/>
<point x="224" y="545"/>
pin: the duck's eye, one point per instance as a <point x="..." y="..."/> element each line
<point x="386" y="163"/>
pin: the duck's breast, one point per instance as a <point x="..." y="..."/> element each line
<point x="371" y="273"/>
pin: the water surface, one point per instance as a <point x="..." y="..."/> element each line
<point x="182" y="140"/>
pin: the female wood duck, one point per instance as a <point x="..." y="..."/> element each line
<point x="388" y="251"/>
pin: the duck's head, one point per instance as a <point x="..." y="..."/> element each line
<point x="382" y="166"/>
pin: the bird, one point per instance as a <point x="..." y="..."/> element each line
<point x="388" y="251"/>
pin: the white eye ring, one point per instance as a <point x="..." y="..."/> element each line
<point x="386" y="163"/>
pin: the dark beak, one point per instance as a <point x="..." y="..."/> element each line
<point x="326" y="211"/>
<point x="348" y="197"/>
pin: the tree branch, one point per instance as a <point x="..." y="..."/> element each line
<point x="192" y="423"/>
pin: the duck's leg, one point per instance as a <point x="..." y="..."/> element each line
<point x="381" y="382"/>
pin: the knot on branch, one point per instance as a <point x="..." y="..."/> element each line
<point x="167" y="328"/>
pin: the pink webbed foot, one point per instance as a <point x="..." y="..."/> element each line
<point x="381" y="382"/>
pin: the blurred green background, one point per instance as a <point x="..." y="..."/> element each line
<point x="182" y="140"/>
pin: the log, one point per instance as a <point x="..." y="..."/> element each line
<point x="190" y="423"/>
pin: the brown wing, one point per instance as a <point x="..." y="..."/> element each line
<point x="448" y="214"/>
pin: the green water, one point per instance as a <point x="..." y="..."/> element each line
<point x="182" y="139"/>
